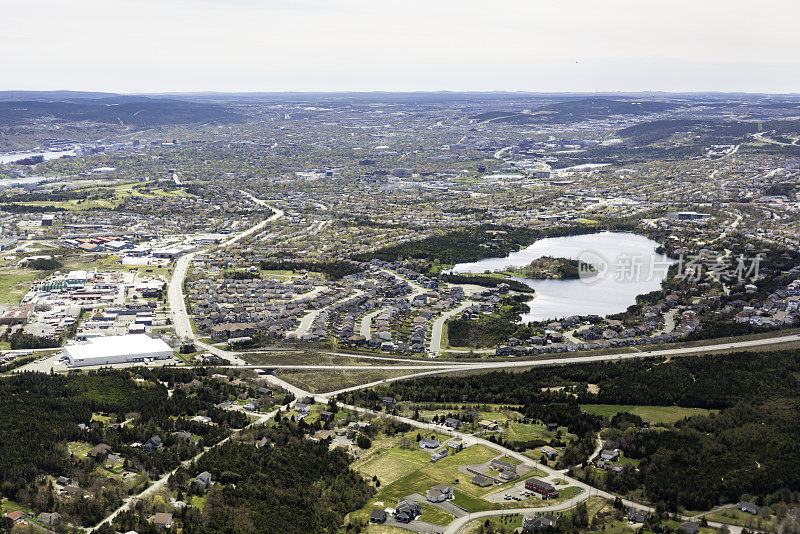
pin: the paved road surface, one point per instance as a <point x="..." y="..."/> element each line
<point x="177" y="304"/>
<point x="365" y="327"/>
<point x="438" y="326"/>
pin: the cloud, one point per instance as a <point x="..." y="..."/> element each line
<point x="273" y="45"/>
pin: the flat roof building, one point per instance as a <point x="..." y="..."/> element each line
<point x="111" y="350"/>
<point x="77" y="278"/>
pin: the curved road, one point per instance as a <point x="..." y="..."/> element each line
<point x="177" y="303"/>
<point x="438" y="326"/>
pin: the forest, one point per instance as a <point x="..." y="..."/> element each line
<point x="293" y="486"/>
<point x="491" y="330"/>
<point x="333" y="270"/>
<point x="40" y="414"/>
<point x="485" y="281"/>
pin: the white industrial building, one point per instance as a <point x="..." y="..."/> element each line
<point x="111" y="350"/>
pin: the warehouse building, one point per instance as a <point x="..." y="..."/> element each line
<point x="112" y="350"/>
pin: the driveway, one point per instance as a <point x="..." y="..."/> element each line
<point x="445" y="506"/>
<point x="415" y="526"/>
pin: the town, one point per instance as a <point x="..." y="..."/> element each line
<point x="466" y="312"/>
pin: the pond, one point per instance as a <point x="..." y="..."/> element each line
<point x="628" y="265"/>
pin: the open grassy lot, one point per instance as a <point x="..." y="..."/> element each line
<point x="14" y="283"/>
<point x="492" y="412"/>
<point x="507" y="522"/>
<point x="734" y="516"/>
<point x="79" y="448"/>
<point x="405" y="471"/>
<point x="654" y="414"/>
<point x="307" y="357"/>
<point x="325" y="381"/>
<point x="526" y="432"/>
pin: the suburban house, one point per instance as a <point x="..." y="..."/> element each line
<point x="483" y="481"/>
<point x="549" y="451"/>
<point x="438" y="455"/>
<point x="153" y="444"/>
<point x="16" y="516"/>
<point x="487" y="425"/>
<point x="748" y="507"/>
<point x="439" y="493"/>
<point x="377" y="516"/>
<point x="407" y="511"/>
<point x="501" y="465"/>
<point x="163" y="520"/>
<point x="636" y="516"/>
<point x="203" y="480"/>
<point x="532" y="524"/>
<point x="428" y="443"/>
<point x="49" y="518"/>
<point x="100" y="449"/>
<point x="452" y="422"/>
<point x="609" y="455"/>
<point x="545" y="489"/>
<point x="689" y="527"/>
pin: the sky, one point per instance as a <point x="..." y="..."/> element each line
<point x="409" y="45"/>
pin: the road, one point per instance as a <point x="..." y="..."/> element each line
<point x="308" y="319"/>
<point x="277" y="214"/>
<point x="587" y="491"/>
<point x="761" y="136"/>
<point x="365" y="326"/>
<point x="180" y="318"/>
<point x="161" y="482"/>
<point x="438" y="326"/>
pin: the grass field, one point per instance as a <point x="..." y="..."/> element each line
<point x="307" y="357"/>
<point x="14" y="283"/>
<point x="654" y="414"/>
<point x="325" y="381"/>
<point x="507" y="522"/>
<point x="734" y="516"/>
<point x="525" y="432"/>
<point x="198" y="502"/>
<point x="406" y="471"/>
<point x="79" y="448"/>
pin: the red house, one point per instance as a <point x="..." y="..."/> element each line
<point x="547" y="490"/>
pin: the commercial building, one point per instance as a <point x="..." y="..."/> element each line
<point x="76" y="279"/>
<point x="116" y="349"/>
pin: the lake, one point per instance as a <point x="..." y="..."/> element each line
<point x="628" y="266"/>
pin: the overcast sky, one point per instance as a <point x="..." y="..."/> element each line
<point x="332" y="45"/>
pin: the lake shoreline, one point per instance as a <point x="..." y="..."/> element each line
<point x="611" y="291"/>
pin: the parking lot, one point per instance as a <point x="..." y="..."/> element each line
<point x="513" y="494"/>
